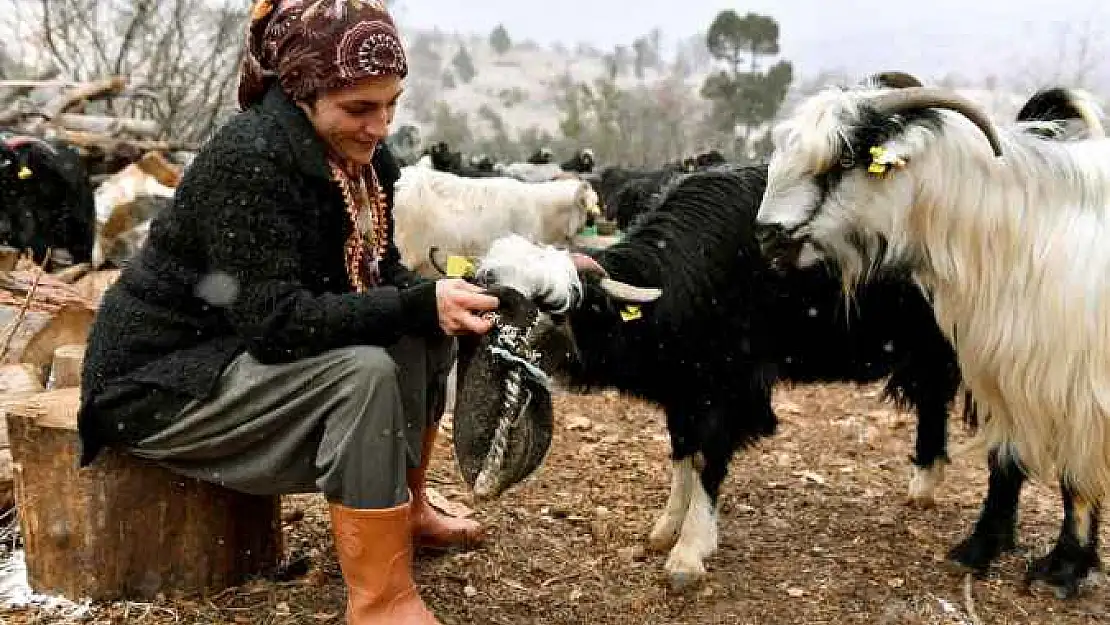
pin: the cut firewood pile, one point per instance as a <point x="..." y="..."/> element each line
<point x="58" y="109"/>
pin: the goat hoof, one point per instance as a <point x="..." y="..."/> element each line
<point x="1062" y="571"/>
<point x="683" y="582"/>
<point x="663" y="535"/>
<point x="683" y="573"/>
<point x="921" y="502"/>
<point x="923" y="485"/>
<point x="978" y="551"/>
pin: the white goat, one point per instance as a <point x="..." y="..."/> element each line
<point x="465" y="215"/>
<point x="1014" y="251"/>
<point x="529" y="172"/>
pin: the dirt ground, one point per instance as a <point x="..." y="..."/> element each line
<point x="814" y="530"/>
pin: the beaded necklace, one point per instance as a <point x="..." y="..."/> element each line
<point x="369" y="237"/>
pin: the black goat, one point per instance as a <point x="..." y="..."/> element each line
<point x="542" y="156"/>
<point x="444" y="159"/>
<point x="582" y="162"/>
<point x="710" y="349"/>
<point x="626" y="192"/>
<point x="46" y="200"/>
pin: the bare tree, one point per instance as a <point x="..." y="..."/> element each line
<point x="1078" y="53"/>
<point x="181" y="57"/>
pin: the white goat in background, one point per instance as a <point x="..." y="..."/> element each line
<point x="434" y="209"/>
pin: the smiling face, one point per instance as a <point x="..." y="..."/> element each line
<point x="353" y="119"/>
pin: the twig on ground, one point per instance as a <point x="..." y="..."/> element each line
<point x="969" y="602"/>
<point x="14" y="325"/>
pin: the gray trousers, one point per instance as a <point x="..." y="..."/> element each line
<point x="347" y="423"/>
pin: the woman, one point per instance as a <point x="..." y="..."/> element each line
<point x="267" y="337"/>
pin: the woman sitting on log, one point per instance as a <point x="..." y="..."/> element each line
<point x="266" y="337"/>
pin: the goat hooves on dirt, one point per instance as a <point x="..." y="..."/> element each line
<point x="976" y="552"/>
<point x="664" y="534"/>
<point x="1063" y="570"/>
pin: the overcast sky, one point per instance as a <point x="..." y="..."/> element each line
<point x="998" y="35"/>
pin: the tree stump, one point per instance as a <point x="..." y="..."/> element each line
<point x="65" y="372"/>
<point x="16" y="383"/>
<point x="125" y="528"/>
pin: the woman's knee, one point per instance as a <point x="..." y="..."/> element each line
<point x="368" y="382"/>
<point x="365" y="362"/>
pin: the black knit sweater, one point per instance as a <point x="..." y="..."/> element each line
<point x="249" y="257"/>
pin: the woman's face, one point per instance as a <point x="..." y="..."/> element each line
<point x="353" y="119"/>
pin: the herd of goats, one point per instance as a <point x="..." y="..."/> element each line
<point x="897" y="232"/>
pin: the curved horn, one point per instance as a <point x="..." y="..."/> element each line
<point x="432" y="252"/>
<point x="912" y="98"/>
<point x="586" y="264"/>
<point x="627" y="293"/>
<point x="895" y="79"/>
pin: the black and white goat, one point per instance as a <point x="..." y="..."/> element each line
<point x="711" y="347"/>
<point x="1006" y="230"/>
<point x="582" y="162"/>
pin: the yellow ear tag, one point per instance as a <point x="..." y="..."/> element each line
<point x="630" y="313"/>
<point x="25" y="172"/>
<point x="881" y="160"/>
<point x="459" y="267"/>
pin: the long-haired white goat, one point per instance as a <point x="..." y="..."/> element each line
<point x="434" y="209"/>
<point x="1009" y="231"/>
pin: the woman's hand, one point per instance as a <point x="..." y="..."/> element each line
<point x="460" y="305"/>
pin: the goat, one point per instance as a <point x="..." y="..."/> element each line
<point x="625" y="191"/>
<point x="710" y="348"/>
<point x="542" y="156"/>
<point x="435" y="209"/>
<point x="535" y="172"/>
<point x="125" y="205"/>
<point x="46" y="201"/>
<point x="998" y="237"/>
<point x="582" y="162"/>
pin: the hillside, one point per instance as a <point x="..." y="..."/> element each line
<point x="520" y="85"/>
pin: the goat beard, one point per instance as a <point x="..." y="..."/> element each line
<point x="503" y="424"/>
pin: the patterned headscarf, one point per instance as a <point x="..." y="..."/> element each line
<point x="313" y="45"/>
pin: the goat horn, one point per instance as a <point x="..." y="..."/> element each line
<point x="896" y="80"/>
<point x="912" y="98"/>
<point x="433" y="252"/>
<point x="627" y="293"/>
